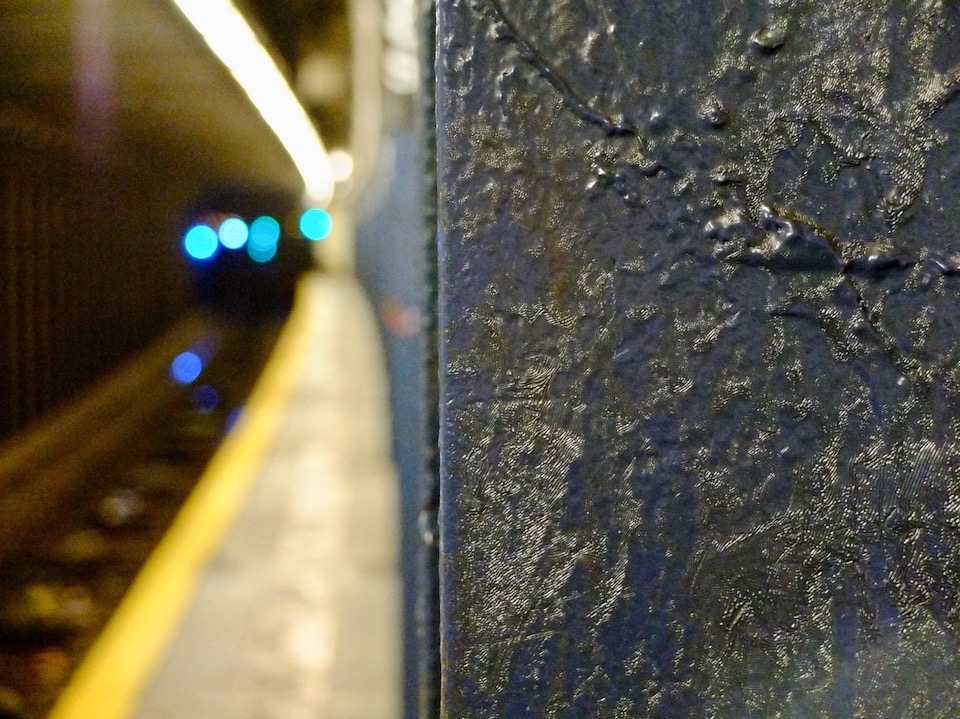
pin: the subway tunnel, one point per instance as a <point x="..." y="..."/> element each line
<point x="179" y="184"/>
<point x="569" y="360"/>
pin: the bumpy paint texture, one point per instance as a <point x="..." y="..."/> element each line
<point x="700" y="302"/>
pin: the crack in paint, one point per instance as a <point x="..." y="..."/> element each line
<point x="569" y="96"/>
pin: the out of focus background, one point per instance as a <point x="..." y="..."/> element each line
<point x="197" y="196"/>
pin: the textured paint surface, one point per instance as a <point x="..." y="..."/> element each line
<point x="700" y="281"/>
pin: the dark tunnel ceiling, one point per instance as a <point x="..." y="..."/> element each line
<point x="305" y="30"/>
<point x="134" y="74"/>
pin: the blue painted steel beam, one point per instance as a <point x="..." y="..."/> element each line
<point x="699" y="293"/>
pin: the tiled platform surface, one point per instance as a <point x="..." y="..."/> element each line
<point x="297" y="614"/>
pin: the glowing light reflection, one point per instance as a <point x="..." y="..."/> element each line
<point x="341" y="164"/>
<point x="233" y="233"/>
<point x="315" y="224"/>
<point x="200" y="242"/>
<point x="205" y="399"/>
<point x="186" y="367"/>
<point x="232" y="418"/>
<point x="264" y="232"/>
<point x="261" y="254"/>
<point x="264" y="236"/>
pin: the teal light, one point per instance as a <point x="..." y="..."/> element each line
<point x="200" y="242"/>
<point x="261" y="254"/>
<point x="315" y="224"/>
<point x="263" y="239"/>
<point x="233" y="233"/>
<point x="264" y="232"/>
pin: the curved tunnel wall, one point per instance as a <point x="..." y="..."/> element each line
<point x="91" y="269"/>
<point x="116" y="122"/>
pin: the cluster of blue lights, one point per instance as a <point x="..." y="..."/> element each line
<point x="186" y="369"/>
<point x="261" y="237"/>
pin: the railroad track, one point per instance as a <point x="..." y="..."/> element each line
<point x="85" y="498"/>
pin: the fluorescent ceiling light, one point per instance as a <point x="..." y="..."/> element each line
<point x="341" y="164"/>
<point x="229" y="36"/>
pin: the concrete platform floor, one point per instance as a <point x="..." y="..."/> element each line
<point x="297" y="613"/>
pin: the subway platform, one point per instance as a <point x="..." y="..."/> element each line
<point x="276" y="593"/>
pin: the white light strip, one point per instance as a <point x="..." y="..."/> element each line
<point x="233" y="41"/>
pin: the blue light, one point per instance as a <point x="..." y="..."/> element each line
<point x="233" y="233"/>
<point x="261" y="254"/>
<point x="205" y="399"/>
<point x="186" y="367"/>
<point x="200" y="242"/>
<point x="315" y="224"/>
<point x="264" y="236"/>
<point x="264" y="233"/>
<point x="232" y="418"/>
